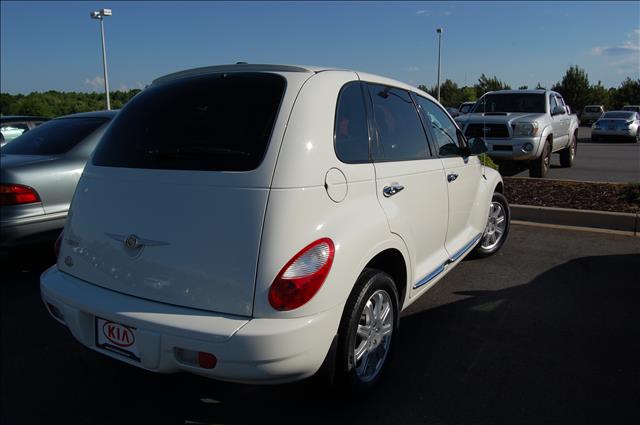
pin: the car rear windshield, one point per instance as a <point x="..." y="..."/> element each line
<point x="511" y="102"/>
<point x="219" y="122"/>
<point x="54" y="137"/>
<point x="620" y="114"/>
<point x="592" y="109"/>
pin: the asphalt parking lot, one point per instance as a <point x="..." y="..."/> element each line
<point x="605" y="162"/>
<point x="547" y="331"/>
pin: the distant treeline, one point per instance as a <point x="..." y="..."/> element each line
<point x="54" y="103"/>
<point x="574" y="86"/>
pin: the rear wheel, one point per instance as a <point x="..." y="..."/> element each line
<point x="497" y="228"/>
<point x="366" y="329"/>
<point x="568" y="154"/>
<point x="540" y="167"/>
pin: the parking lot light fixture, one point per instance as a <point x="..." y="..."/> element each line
<point x="100" y="14"/>
<point x="439" y="31"/>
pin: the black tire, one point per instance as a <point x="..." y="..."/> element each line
<point x="540" y="167"/>
<point x="370" y="282"/>
<point x="568" y="154"/>
<point x="484" y="249"/>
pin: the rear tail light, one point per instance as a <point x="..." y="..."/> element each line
<point x="17" y="194"/>
<point x="301" y="278"/>
<point x="58" y="244"/>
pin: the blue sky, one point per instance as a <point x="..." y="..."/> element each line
<point x="56" y="46"/>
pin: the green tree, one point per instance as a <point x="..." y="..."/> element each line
<point x="574" y="87"/>
<point x="523" y="88"/>
<point x="486" y="84"/>
<point x="628" y="93"/>
<point x="598" y="95"/>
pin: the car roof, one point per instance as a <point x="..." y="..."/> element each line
<point x="246" y="67"/>
<point x="240" y="67"/>
<point x="535" y="91"/>
<point x="6" y="118"/>
<point x="92" y="114"/>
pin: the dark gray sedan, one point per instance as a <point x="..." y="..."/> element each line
<point x="39" y="173"/>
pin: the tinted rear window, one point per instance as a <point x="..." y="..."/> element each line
<point x="620" y="114"/>
<point x="53" y="137"/>
<point x="592" y="109"/>
<point x="220" y="122"/>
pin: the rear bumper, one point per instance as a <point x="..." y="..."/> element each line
<point x="613" y="134"/>
<point x="27" y="230"/>
<point x="248" y="350"/>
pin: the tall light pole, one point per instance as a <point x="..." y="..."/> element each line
<point x="100" y="14"/>
<point x="439" y="31"/>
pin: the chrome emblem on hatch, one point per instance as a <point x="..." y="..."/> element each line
<point x="131" y="242"/>
<point x="134" y="242"/>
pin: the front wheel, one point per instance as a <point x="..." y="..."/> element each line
<point x="365" y="335"/>
<point x="568" y="154"/>
<point x="540" y="167"/>
<point x="497" y="228"/>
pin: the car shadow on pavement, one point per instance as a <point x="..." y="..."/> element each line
<point x="563" y="348"/>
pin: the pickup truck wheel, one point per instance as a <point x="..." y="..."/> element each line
<point x="497" y="228"/>
<point x="568" y="154"/>
<point x="540" y="167"/>
<point x="365" y="335"/>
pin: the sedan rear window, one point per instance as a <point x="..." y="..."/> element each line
<point x="54" y="137"/>
<point x="620" y="114"/>
<point x="219" y="122"/>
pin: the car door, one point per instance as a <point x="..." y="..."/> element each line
<point x="557" y="124"/>
<point x="462" y="176"/>
<point x="410" y="182"/>
<point x="565" y="119"/>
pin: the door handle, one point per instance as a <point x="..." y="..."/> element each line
<point x="392" y="189"/>
<point x="451" y="177"/>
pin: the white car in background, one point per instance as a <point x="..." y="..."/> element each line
<point x="284" y="224"/>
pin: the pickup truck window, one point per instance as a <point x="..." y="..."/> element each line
<point x="512" y="102"/>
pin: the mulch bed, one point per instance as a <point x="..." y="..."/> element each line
<point x="570" y="194"/>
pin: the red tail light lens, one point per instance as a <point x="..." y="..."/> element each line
<point x="16" y="194"/>
<point x="301" y="278"/>
<point x="57" y="244"/>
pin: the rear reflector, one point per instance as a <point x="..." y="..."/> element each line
<point x="206" y="360"/>
<point x="17" y="194"/>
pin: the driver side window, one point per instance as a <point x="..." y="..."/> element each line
<point x="444" y="130"/>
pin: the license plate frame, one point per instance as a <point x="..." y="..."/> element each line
<point x="116" y="338"/>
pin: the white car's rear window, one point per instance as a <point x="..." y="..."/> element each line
<point x="218" y="122"/>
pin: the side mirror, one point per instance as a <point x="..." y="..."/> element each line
<point x="558" y="110"/>
<point x="477" y="146"/>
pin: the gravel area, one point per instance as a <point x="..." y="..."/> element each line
<point x="599" y="196"/>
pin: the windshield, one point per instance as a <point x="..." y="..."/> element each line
<point x="54" y="137"/>
<point x="511" y="102"/>
<point x="219" y="122"/>
<point x="592" y="109"/>
<point x="619" y="114"/>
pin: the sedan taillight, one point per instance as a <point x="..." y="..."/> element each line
<point x="17" y="194"/>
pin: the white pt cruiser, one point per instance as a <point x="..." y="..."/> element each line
<point x="252" y="223"/>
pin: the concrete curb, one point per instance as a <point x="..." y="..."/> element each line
<point x="626" y="222"/>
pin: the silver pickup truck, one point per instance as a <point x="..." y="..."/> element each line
<point x="524" y="125"/>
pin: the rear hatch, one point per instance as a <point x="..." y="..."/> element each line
<point x="171" y="207"/>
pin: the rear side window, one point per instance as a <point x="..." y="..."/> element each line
<point x="54" y="137"/>
<point x="351" y="133"/>
<point x="399" y="129"/>
<point x="219" y="122"/>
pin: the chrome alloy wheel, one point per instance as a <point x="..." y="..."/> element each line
<point x="496" y="225"/>
<point x="373" y="336"/>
